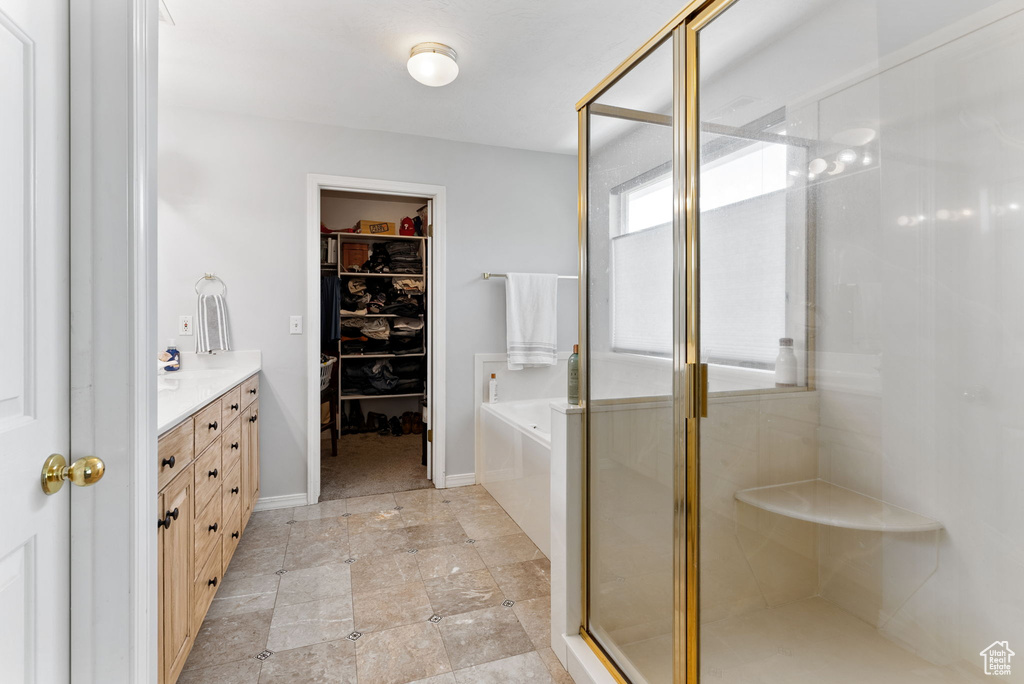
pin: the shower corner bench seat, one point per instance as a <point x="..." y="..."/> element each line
<point x="818" y="501"/>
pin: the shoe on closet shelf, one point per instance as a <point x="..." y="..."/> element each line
<point x="407" y="422"/>
<point x="358" y="423"/>
<point x="396" y="426"/>
<point x="417" y="423"/>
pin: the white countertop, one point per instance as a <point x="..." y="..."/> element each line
<point x="200" y="380"/>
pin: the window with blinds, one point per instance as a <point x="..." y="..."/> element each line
<point x="743" y="260"/>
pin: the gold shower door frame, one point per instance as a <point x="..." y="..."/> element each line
<point x="689" y="378"/>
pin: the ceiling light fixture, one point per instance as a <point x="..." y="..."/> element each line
<point x="433" y="64"/>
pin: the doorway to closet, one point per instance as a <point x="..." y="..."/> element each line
<point x="377" y="344"/>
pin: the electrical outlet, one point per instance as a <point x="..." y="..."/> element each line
<point x="184" y="325"/>
<point x="295" y="327"/>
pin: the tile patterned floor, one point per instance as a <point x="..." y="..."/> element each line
<point x="426" y="586"/>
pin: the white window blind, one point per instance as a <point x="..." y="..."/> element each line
<point x="642" y="291"/>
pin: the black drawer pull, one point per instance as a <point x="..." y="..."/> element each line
<point x="169" y="462"/>
<point x="213" y="425"/>
<point x="212" y="473"/>
<point x="212" y="582"/>
<point x="252" y="419"/>
<point x="234" y="445"/>
<point x="252" y="391"/>
<point x="166" y="522"/>
<point x="234" y="535"/>
<point x="213" y="527"/>
<point x="234" y="407"/>
<point x="234" y="490"/>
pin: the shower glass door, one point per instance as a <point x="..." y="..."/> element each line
<point x="861" y="178"/>
<point x="628" y="607"/>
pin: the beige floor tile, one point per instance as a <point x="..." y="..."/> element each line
<point x="304" y="624"/>
<point x="379" y="542"/>
<point x="526" y="580"/>
<point x="467" y="493"/>
<point x="524" y="668"/>
<point x="334" y="508"/>
<point x="250" y="561"/>
<point x="489" y="526"/>
<point x="513" y="548"/>
<point x="554" y="665"/>
<point x="319" y="529"/>
<point x="535" y="617"/>
<point x="375" y="520"/>
<point x="446" y="678"/>
<point x="448" y="560"/>
<point x="243" y="595"/>
<point x="277" y="515"/>
<point x="308" y="554"/>
<point x="401" y="655"/>
<point x="401" y="604"/>
<point x="333" y="662"/>
<point x="227" y="639"/>
<point x="368" y="504"/>
<point x="440" y="534"/>
<point x="464" y="592"/>
<point x="420" y="498"/>
<point x="312" y="584"/>
<point x="314" y="512"/>
<point x="239" y="672"/>
<point x="484" y="635"/>
<point x="474" y="507"/>
<point x="262" y="535"/>
<point x="380" y="572"/>
<point x="427" y="514"/>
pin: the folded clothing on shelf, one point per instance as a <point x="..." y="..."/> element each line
<point x="374" y="328"/>
<point x="409" y="286"/>
<point x="404" y="257"/>
<point x="377" y="377"/>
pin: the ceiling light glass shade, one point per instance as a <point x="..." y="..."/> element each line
<point x="433" y="64"/>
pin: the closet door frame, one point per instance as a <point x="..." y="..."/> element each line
<point x="435" y="419"/>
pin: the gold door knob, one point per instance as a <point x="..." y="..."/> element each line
<point x="83" y="472"/>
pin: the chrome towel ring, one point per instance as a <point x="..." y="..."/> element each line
<point x="210" y="276"/>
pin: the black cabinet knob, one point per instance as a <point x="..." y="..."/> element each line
<point x="212" y="582"/>
<point x="252" y="419"/>
<point x="169" y="462"/>
<point x="213" y="473"/>
<point x="213" y="527"/>
<point x="234" y="490"/>
<point x="166" y="522"/>
<point x="234" y="445"/>
<point x="234" y="407"/>
<point x="213" y="425"/>
<point x="252" y="391"/>
<point x="234" y="535"/>
<point x="174" y="513"/>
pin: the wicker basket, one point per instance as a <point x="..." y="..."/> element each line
<point x="325" y="372"/>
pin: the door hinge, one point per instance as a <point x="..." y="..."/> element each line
<point x="696" y="392"/>
<point x="430" y="435"/>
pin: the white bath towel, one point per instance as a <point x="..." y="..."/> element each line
<point x="212" y="326"/>
<point x="531" y="320"/>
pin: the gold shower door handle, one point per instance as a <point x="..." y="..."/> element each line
<point x="84" y="472"/>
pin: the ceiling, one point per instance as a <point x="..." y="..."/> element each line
<point x="523" y="63"/>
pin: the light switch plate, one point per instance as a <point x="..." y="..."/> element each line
<point x="184" y="325"/>
<point x="295" y="327"/>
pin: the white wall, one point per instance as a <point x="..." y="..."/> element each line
<point x="232" y="201"/>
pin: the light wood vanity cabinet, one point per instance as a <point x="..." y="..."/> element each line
<point x="209" y="483"/>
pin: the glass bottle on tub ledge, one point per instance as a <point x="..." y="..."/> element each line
<point x="785" y="364"/>
<point x="573" y="395"/>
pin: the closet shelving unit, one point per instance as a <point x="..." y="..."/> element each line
<point x="340" y="239"/>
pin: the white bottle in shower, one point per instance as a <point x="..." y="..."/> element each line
<point x="785" y="364"/>
<point x="492" y="389"/>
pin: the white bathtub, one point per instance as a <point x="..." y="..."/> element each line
<point x="516" y="463"/>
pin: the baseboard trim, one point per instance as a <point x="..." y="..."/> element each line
<point x="269" y="503"/>
<point x="583" y="665"/>
<point x="460" y="480"/>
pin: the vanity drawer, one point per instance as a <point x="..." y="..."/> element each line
<point x="208" y="476"/>
<point x="231" y="446"/>
<point x="232" y="489"/>
<point x="175" y="451"/>
<point x="232" y="534"/>
<point x="208" y="532"/>
<point x="208" y="426"/>
<point x="208" y="578"/>
<point x="250" y="390"/>
<point x="231" y="405"/>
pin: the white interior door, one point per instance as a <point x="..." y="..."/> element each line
<point x="430" y="341"/>
<point x="34" y="344"/>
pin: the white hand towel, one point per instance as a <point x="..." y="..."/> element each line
<point x="212" y="327"/>
<point x="531" y="320"/>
